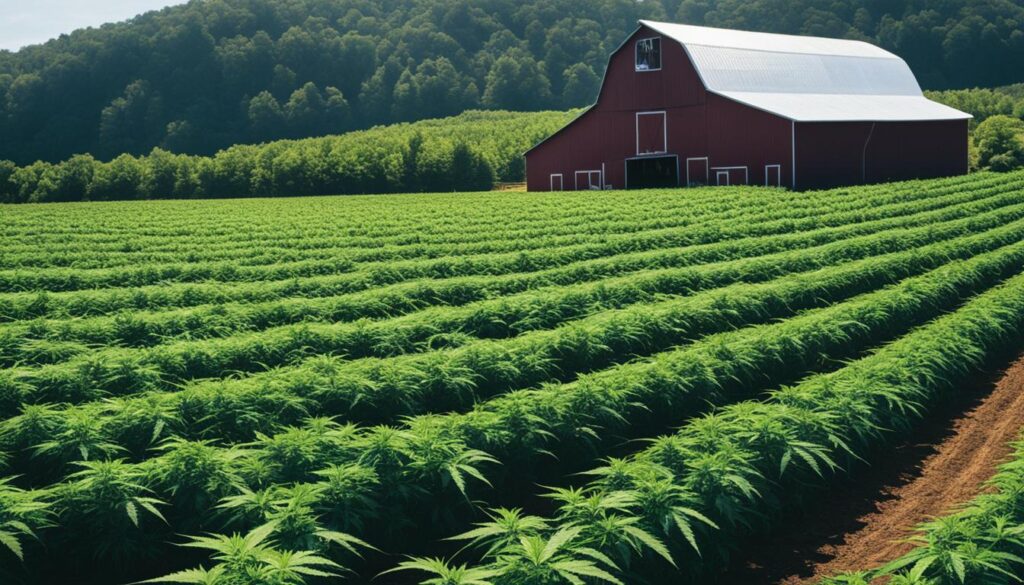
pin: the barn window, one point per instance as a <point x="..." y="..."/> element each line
<point x="648" y="54"/>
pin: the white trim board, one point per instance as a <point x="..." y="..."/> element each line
<point x="746" y="172"/>
<point x="590" y="183"/>
<point x="561" y="182"/>
<point x="636" y="51"/>
<point x="664" y="131"/>
<point x="707" y="169"/>
<point x="766" y="167"/>
<point x="792" y="126"/>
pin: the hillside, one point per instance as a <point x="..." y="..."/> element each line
<point x="201" y="77"/>
<point x="379" y="374"/>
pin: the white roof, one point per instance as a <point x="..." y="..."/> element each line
<point x="807" y="79"/>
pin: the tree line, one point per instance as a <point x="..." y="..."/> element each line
<point x="468" y="152"/>
<point x="200" y="77"/>
<point x="465" y="153"/>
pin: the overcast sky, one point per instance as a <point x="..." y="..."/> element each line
<point x="28" y="22"/>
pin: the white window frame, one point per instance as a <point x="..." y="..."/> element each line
<point x="561" y="182"/>
<point x="664" y="132"/>
<point x="746" y="173"/>
<point x="779" y="182"/>
<point x="636" y="53"/>
<point x="718" y="178"/>
<point x="707" y="169"/>
<point x="590" y="175"/>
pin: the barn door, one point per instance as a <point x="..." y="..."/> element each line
<point x="697" y="172"/>
<point x="652" y="172"/>
<point x="651" y="133"/>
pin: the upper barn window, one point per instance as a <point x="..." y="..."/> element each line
<point x="648" y="54"/>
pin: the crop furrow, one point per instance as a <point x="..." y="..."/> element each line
<point x="29" y="342"/>
<point x="67" y="280"/>
<point x="462" y="371"/>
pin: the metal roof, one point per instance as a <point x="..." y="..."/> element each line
<point x="806" y="79"/>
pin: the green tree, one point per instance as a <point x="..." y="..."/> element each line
<point x="118" y="179"/>
<point x="181" y="136"/>
<point x="337" y="113"/>
<point x="1000" y="142"/>
<point x="161" y="174"/>
<point x="471" y="171"/>
<point x="8" y="188"/>
<point x="126" y="122"/>
<point x="266" y="118"/>
<point x="515" y="82"/>
<point x="305" y="111"/>
<point x="571" y="41"/>
<point x="71" y="179"/>
<point x="246" y="64"/>
<point x="581" y="86"/>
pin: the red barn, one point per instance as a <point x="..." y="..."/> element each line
<point x="689" y="105"/>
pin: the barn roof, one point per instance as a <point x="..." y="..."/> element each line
<point x="806" y="79"/>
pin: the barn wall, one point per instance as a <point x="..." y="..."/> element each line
<point x="740" y="136"/>
<point x="850" y="153"/>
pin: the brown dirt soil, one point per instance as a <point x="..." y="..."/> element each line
<point x="860" y="524"/>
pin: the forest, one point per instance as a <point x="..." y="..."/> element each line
<point x="198" y="78"/>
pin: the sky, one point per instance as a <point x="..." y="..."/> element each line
<point x="29" y="22"/>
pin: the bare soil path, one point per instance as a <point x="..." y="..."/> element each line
<point x="859" y="524"/>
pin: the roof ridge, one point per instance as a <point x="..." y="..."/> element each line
<point x="889" y="57"/>
<point x="758" y="32"/>
<point x="724" y="38"/>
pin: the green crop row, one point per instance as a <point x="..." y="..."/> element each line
<point x="723" y="475"/>
<point x="549" y="255"/>
<point x="438" y="236"/>
<point x="77" y="303"/>
<point x="468" y="239"/>
<point x="67" y="279"/>
<point x="462" y="371"/>
<point x="166" y="225"/>
<point x="144" y="329"/>
<point x="20" y="343"/>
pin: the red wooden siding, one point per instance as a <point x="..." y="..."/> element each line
<point x="851" y="153"/>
